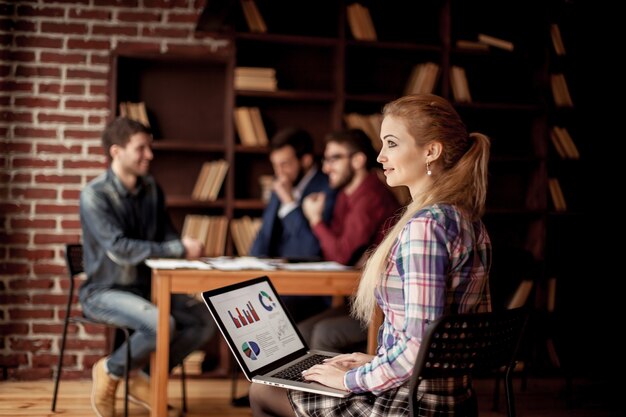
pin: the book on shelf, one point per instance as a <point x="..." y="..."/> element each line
<point x="210" y="230"/>
<point x="460" y="87"/>
<point x="360" y="22"/>
<point x="471" y="45"/>
<point x="255" y="78"/>
<point x="135" y="111"/>
<point x="563" y="143"/>
<point x="496" y="42"/>
<point x="209" y="181"/>
<point x="557" y="40"/>
<point x="243" y="232"/>
<point x="560" y="91"/>
<point x="249" y="125"/>
<point x="423" y="78"/>
<point x="253" y="17"/>
<point x="556" y="193"/>
<point x="370" y="124"/>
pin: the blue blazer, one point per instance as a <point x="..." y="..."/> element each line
<point x="294" y="238"/>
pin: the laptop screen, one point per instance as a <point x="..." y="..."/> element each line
<point x="255" y="324"/>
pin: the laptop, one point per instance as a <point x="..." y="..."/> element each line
<point x="263" y="337"/>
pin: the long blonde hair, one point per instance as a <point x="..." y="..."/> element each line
<point x="459" y="178"/>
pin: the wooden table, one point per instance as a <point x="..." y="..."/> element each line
<point x="165" y="282"/>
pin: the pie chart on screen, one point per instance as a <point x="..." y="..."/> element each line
<point x="251" y="350"/>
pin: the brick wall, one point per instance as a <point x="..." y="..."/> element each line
<point x="53" y="105"/>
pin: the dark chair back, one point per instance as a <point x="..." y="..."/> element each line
<point x="74" y="259"/>
<point x="469" y="344"/>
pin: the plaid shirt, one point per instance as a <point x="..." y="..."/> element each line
<point x="438" y="265"/>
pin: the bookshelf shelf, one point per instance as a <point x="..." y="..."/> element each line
<point x="183" y="201"/>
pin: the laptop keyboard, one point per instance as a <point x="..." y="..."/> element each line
<point x="294" y="372"/>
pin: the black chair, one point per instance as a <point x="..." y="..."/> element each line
<point x="74" y="260"/>
<point x="470" y="344"/>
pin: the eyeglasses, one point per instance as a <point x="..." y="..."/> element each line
<point x="331" y="159"/>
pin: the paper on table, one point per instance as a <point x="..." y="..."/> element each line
<point x="240" y="263"/>
<point x="176" y="264"/>
<point x="314" y="266"/>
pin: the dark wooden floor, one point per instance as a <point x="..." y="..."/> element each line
<point x="544" y="397"/>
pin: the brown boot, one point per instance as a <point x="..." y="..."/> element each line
<point x="139" y="392"/>
<point x="103" y="390"/>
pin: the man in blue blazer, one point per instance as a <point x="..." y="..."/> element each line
<point x="285" y="231"/>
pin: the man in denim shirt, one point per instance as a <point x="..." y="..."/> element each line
<point x="124" y="222"/>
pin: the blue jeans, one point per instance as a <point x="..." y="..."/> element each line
<point x="191" y="325"/>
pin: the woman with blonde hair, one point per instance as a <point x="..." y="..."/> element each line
<point x="434" y="261"/>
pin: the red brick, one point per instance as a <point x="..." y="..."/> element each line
<point x="31" y="284"/>
<point x="95" y="150"/>
<point x="49" y="269"/>
<point x="56" y="209"/>
<point x="60" y="149"/>
<point x="70" y="195"/>
<point x="34" y="193"/>
<point x="54" y="328"/>
<point x="18" y="147"/>
<point x="13" y="328"/>
<point x="182" y="17"/>
<point x="133" y="16"/>
<point x="6" y="40"/>
<point x="57" y="179"/>
<point x="40" y="11"/>
<point x="30" y="374"/>
<point x="63" y="58"/>
<point x="49" y="88"/>
<point x="14" y="359"/>
<point x="95" y="90"/>
<point x="118" y="3"/>
<point x="166" y="4"/>
<point x="59" y="118"/>
<point x="5" y="70"/>
<point x="12" y="268"/>
<point x="88" y="44"/>
<point x="29" y="71"/>
<point x="86" y="104"/>
<point x="33" y="254"/>
<point x="114" y="30"/>
<point x="165" y="32"/>
<point x="192" y="49"/>
<point x="83" y="164"/>
<point x="94" y="75"/>
<point x="138" y="46"/>
<point x="68" y="28"/>
<point x="7" y="86"/>
<point x="14" y="237"/>
<point x="18" y="223"/>
<point x="41" y="238"/>
<point x="6" y="299"/>
<point x="47" y="360"/>
<point x="70" y="224"/>
<point x="13" y="116"/>
<point x="98" y="15"/>
<point x="25" y="26"/>
<point x="99" y="59"/>
<point x="81" y="134"/>
<point x="95" y="120"/>
<point x="72" y="2"/>
<point x="74" y="344"/>
<point x="47" y="299"/>
<point x="33" y="163"/>
<point x="32" y="313"/>
<point x="35" y="133"/>
<point x="36" y="102"/>
<point x="7" y="208"/>
<point x="38" y="42"/>
<point x="21" y="56"/>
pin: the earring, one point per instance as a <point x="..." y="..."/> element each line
<point x="428" y="171"/>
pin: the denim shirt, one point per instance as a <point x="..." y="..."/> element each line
<point x="121" y="229"/>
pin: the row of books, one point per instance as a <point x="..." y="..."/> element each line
<point x="370" y="124"/>
<point x="423" y="78"/>
<point x="212" y="231"/>
<point x="253" y="17"/>
<point x="135" y="111"/>
<point x="556" y="193"/>
<point x="563" y="143"/>
<point x="560" y="91"/>
<point x="460" y="87"/>
<point x="484" y="42"/>
<point x="210" y="180"/>
<point x="249" y="126"/>
<point x="360" y="22"/>
<point x="255" y="78"/>
<point x="243" y="231"/>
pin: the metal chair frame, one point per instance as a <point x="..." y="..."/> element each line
<point x="469" y="344"/>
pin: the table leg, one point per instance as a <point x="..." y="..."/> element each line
<point x="161" y="295"/>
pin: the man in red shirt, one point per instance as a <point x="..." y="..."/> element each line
<point x="364" y="209"/>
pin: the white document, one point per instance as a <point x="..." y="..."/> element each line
<point x="240" y="263"/>
<point x="314" y="266"/>
<point x="176" y="264"/>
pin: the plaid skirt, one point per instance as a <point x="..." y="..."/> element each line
<point x="435" y="398"/>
